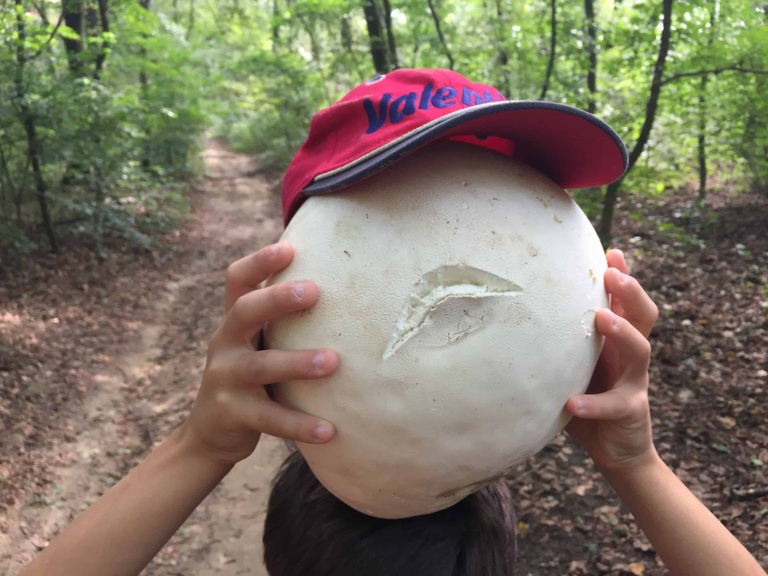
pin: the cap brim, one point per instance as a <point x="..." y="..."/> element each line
<point x="569" y="145"/>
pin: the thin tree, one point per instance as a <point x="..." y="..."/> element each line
<point x="379" y="51"/>
<point x="390" y="36"/>
<point x="441" y="37"/>
<point x="612" y="191"/>
<point x="190" y="20"/>
<point x="274" y="26"/>
<point x="591" y="45"/>
<point x="77" y="60"/>
<point x="104" y="48"/>
<point x="15" y="190"/>
<point x="346" y="33"/>
<point x="502" y="56"/>
<point x="552" y="48"/>
<point x="144" y="89"/>
<point x="30" y="127"/>
<point x="73" y="11"/>
<point x="96" y="174"/>
<point x="702" y="139"/>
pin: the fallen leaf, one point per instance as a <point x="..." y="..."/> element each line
<point x="726" y="422"/>
<point x="578" y="567"/>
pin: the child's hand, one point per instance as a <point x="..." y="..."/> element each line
<point x="612" y="420"/>
<point x="233" y="408"/>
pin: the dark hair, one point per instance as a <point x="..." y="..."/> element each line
<point x="310" y="532"/>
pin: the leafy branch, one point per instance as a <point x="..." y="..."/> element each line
<point x="729" y="68"/>
<point x="50" y="38"/>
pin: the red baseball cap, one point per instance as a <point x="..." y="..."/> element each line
<point x="394" y="114"/>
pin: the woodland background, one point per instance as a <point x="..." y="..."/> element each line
<point x="103" y="102"/>
<point x="106" y="107"/>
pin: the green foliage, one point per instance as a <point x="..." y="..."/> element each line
<point x="15" y="238"/>
<point x="275" y="116"/>
<point x="125" y="102"/>
<point x="590" y="200"/>
<point x="140" y="209"/>
<point x="88" y="115"/>
<point x="302" y="61"/>
<point x="678" y="235"/>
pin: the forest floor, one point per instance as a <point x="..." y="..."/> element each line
<point x="99" y="360"/>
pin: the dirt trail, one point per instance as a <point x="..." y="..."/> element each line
<point x="147" y="389"/>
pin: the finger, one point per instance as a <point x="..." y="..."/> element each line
<point x="616" y="404"/>
<point x="630" y="300"/>
<point x="607" y="369"/>
<point x="616" y="260"/>
<point x="632" y="348"/>
<point x="248" y="273"/>
<point x="276" y="420"/>
<point x="270" y="366"/>
<point x="252" y="310"/>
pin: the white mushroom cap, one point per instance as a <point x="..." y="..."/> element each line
<point x="459" y="289"/>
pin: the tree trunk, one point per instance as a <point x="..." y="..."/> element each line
<point x="74" y="12"/>
<point x="9" y="188"/>
<point x="436" y="19"/>
<point x="702" y="140"/>
<point x="97" y="178"/>
<point x="502" y="56"/>
<point x="379" y="52"/>
<point x="102" y="55"/>
<point x="552" y="47"/>
<point x="30" y="128"/>
<point x="85" y="22"/>
<point x="346" y="33"/>
<point x="394" y="65"/>
<point x="589" y="13"/>
<point x="309" y="28"/>
<point x="612" y="192"/>
<point x="190" y="20"/>
<point x="144" y="90"/>
<point x="275" y="26"/>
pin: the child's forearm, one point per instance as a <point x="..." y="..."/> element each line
<point x="686" y="535"/>
<point x="120" y="534"/>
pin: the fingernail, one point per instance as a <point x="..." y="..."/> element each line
<point x="623" y="278"/>
<point x="275" y="251"/>
<point x="579" y="407"/>
<point x="322" y="432"/>
<point x="298" y="291"/>
<point x="319" y="361"/>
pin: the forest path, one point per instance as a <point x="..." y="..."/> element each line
<point x="146" y="389"/>
<point x="239" y="213"/>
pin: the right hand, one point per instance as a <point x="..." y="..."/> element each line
<point x="612" y="420"/>
<point x="232" y="407"/>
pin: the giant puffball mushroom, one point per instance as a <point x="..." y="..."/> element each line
<point x="459" y="288"/>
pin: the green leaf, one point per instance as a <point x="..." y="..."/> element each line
<point x="68" y="33"/>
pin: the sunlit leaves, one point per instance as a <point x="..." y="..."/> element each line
<point x="258" y="70"/>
